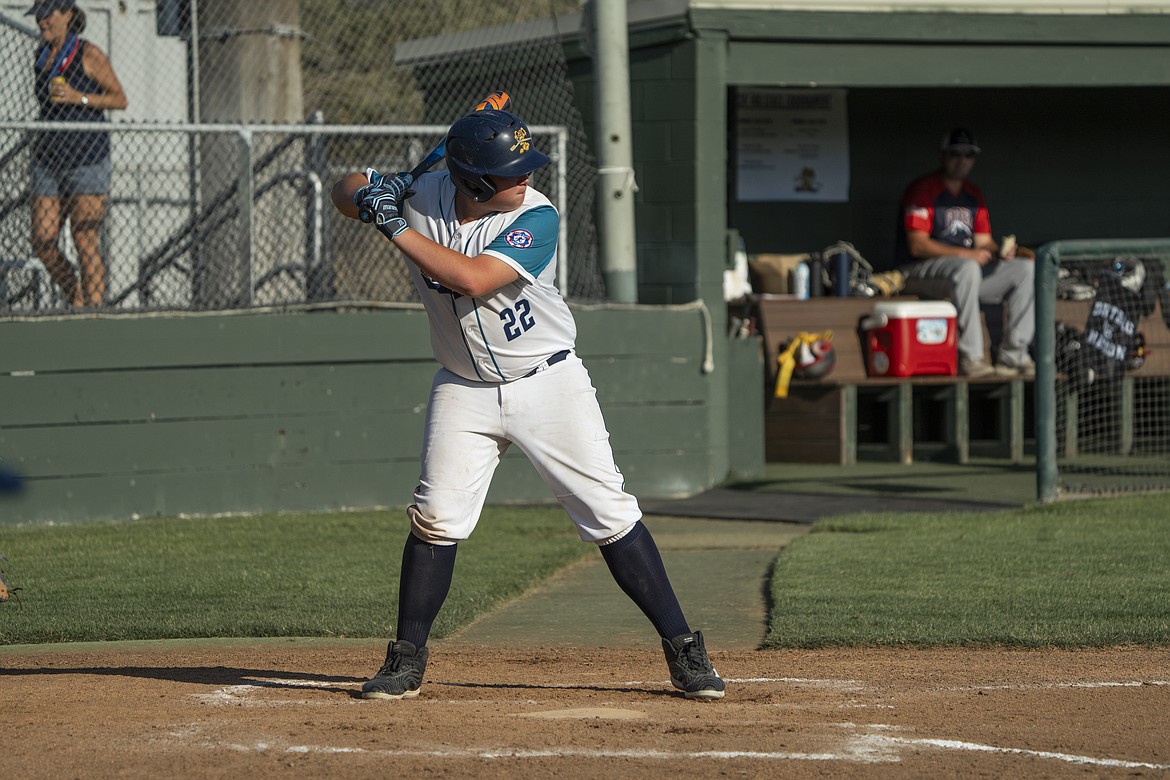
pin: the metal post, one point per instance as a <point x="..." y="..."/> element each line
<point x="1125" y="416"/>
<point x="848" y="435"/>
<point x="615" y="174"/>
<point x="1015" y="421"/>
<point x="247" y="228"/>
<point x="1047" y="267"/>
<point x="315" y="258"/>
<point x="961" y="421"/>
<point x="194" y="170"/>
<point x="318" y="278"/>
<point x="562" y="207"/>
<point x="905" y="402"/>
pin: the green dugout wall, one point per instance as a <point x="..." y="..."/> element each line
<point x="113" y="417"/>
<point x="1072" y="110"/>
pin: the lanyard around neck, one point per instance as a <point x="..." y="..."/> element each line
<point x="64" y="57"/>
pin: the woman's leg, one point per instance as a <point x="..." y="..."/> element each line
<point x="85" y="217"/>
<point x="46" y="228"/>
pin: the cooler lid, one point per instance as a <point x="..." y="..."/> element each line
<point x="902" y="310"/>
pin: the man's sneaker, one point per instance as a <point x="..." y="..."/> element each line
<point x="401" y="676"/>
<point x="975" y="368"/>
<point x="690" y="668"/>
<point x="1026" y="368"/>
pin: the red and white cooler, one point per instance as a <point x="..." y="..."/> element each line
<point x="911" y="338"/>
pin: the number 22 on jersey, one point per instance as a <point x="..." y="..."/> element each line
<point x="517" y="320"/>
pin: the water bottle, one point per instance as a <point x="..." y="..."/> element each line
<point x="816" y="277"/>
<point x="842" y="268"/>
<point x="800" y="281"/>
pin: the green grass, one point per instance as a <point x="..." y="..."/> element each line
<point x="333" y="575"/>
<point x="1075" y="574"/>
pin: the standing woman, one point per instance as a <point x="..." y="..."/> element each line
<point x="71" y="169"/>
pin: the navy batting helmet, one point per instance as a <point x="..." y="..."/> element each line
<point x="489" y="143"/>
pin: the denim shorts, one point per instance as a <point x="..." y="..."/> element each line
<point x="77" y="180"/>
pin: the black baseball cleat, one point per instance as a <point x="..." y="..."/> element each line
<point x="401" y="676"/>
<point x="690" y="668"/>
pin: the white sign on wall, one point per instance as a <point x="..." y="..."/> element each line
<point x="791" y="144"/>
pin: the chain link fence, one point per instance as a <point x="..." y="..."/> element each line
<point x="239" y="118"/>
<point x="1103" y="418"/>
<point x="1113" y="419"/>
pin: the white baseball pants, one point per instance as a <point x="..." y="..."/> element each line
<point x="554" y="417"/>
<point x="968" y="285"/>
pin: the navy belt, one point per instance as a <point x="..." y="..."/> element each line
<point x="552" y="361"/>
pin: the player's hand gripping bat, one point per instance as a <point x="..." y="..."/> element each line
<point x="347" y="187"/>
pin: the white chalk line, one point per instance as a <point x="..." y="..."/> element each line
<point x="847" y="684"/>
<point x="1060" y="685"/>
<point x="867" y="747"/>
<point x="864" y="753"/>
<point x="235" y="695"/>
<point x="952" y="744"/>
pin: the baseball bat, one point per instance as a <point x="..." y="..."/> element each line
<point x="499" y="100"/>
<point x="344" y="189"/>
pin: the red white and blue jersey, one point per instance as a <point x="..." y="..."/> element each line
<point x="930" y="207"/>
<point x="509" y="333"/>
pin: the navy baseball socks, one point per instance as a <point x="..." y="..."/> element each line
<point x="690" y="668"/>
<point x="401" y="675"/>
<point x="427" y="570"/>
<point x="426" y="578"/>
<point x="636" y="565"/>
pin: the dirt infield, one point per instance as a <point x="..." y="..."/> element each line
<point x="567" y="682"/>
<point x="289" y="708"/>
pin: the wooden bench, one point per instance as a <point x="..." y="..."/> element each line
<point x="830" y="419"/>
<point x="826" y="420"/>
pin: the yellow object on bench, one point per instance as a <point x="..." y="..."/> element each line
<point x="804" y="351"/>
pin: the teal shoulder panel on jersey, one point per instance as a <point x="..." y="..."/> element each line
<point x="531" y="240"/>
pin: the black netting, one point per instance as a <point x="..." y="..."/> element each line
<point x="1112" y="416"/>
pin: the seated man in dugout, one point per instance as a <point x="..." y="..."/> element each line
<point x="945" y="236"/>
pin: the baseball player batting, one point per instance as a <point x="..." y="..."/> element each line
<point x="482" y="251"/>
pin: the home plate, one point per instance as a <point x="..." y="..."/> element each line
<point x="588" y="712"/>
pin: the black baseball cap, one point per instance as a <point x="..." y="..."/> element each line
<point x="959" y="140"/>
<point x="42" y="8"/>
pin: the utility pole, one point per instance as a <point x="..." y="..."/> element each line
<point x="615" y="172"/>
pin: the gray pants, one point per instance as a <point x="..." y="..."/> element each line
<point x="1000" y="285"/>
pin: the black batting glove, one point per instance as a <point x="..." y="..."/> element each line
<point x="380" y="201"/>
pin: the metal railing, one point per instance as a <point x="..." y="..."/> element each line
<point x="220" y="216"/>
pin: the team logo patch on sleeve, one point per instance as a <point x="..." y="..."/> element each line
<point x="519" y="238"/>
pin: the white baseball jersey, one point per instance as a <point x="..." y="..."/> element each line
<point x="514" y="330"/>
<point x="476" y="409"/>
